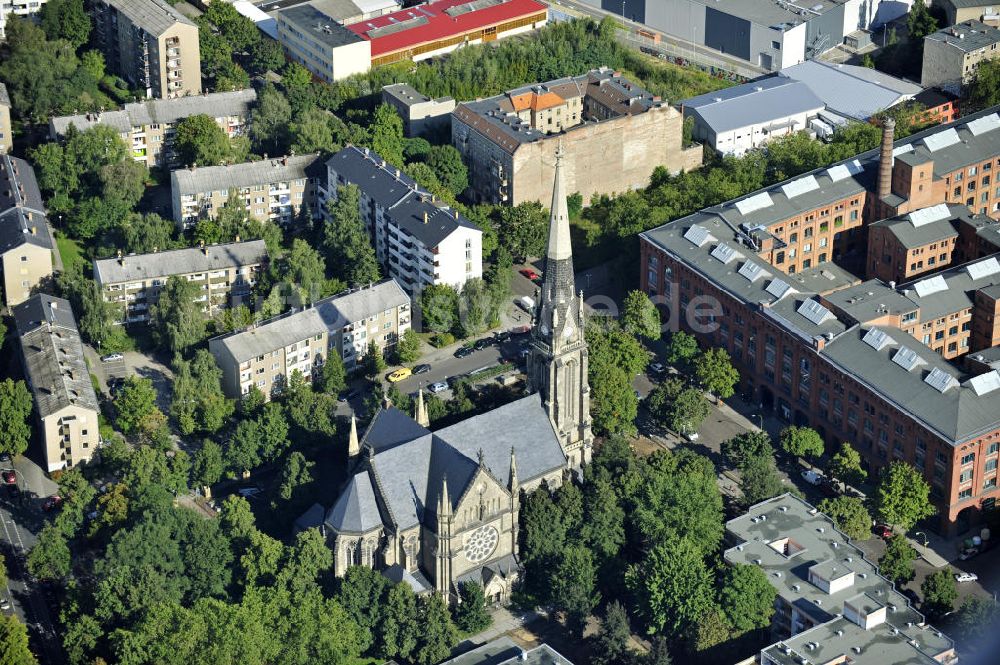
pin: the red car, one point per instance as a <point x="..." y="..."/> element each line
<point x="530" y="274"/>
<point x="883" y="531"/>
<point x="52" y="503"/>
<point x="10" y="476"/>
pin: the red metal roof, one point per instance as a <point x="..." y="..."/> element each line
<point x="431" y="23"/>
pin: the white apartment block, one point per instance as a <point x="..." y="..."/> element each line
<point x="272" y="190"/>
<point x="377" y="313"/>
<point x="17" y="8"/>
<point x="418" y="239"/>
<point x="148" y="127"/>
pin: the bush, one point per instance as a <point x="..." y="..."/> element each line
<point x="441" y="340"/>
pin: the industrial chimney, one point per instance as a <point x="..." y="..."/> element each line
<point x="885" y="159"/>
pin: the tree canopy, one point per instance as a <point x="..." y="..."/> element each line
<point x="902" y="497"/>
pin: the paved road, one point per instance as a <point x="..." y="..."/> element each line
<point x="133" y="363"/>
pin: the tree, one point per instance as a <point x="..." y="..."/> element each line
<point x="14" y="649"/>
<point x="640" y="316"/>
<point x="685" y="413"/>
<point x="574" y="587"/>
<point x="439" y="307"/>
<point x="939" y="593"/>
<point x="208" y="463"/>
<point x="471" y="616"/>
<point x="333" y="376"/>
<point x="398" y="631"/>
<point x="65" y="19"/>
<point x="850" y="516"/>
<point x="845" y="465"/>
<point x="682" y="348"/>
<point x="266" y="55"/>
<point x="613" y="404"/>
<point x="801" y="441"/>
<point x="659" y="654"/>
<point x="672" y="585"/>
<point x="902" y="497"/>
<point x="747" y="597"/>
<point x="295" y="76"/>
<point x="387" y="134"/>
<point x="15" y="409"/>
<point x="305" y="272"/>
<point x="919" y="22"/>
<point x="867" y="61"/>
<point x="759" y="479"/>
<point x="50" y="558"/>
<point x="745" y="446"/>
<point x="134" y="403"/>
<point x="199" y="140"/>
<point x="603" y="530"/>
<point x="408" y="347"/>
<point x="522" y="229"/>
<point x="715" y="371"/>
<point x="179" y="321"/>
<point x="237" y="29"/>
<point x="294" y="474"/>
<point x="611" y="641"/>
<point x="897" y="562"/>
<point x="446" y="162"/>
<point x="270" y="118"/>
<point x="984" y="89"/>
<point x="438" y="632"/>
<point x="349" y="252"/>
<point x="311" y="131"/>
<point x="198" y="402"/>
<point x="372" y="361"/>
<point x="712" y="629"/>
<point x="975" y="617"/>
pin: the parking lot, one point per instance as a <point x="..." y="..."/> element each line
<point x="132" y="363"/>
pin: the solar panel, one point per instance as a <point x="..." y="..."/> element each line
<point x="940" y="380"/>
<point x="985" y="124"/>
<point x="725" y="253"/>
<point x="907" y="358"/>
<point x="985" y="383"/>
<point x="778" y="288"/>
<point x="926" y="287"/>
<point x="942" y="139"/>
<point x="698" y="235"/>
<point x="983" y="269"/>
<point x="800" y="186"/>
<point x="842" y="171"/>
<point x="815" y="312"/>
<point x="930" y="215"/>
<point x="877" y="339"/>
<point x="752" y="271"/>
<point x="755" y="202"/>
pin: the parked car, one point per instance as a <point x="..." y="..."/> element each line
<point x="422" y="369"/>
<point x="463" y="352"/>
<point x="438" y="387"/>
<point x="52" y="502"/>
<point x="691" y="436"/>
<point x="526" y="303"/>
<point x="966" y="577"/>
<point x="112" y="358"/>
<point x="657" y="369"/>
<point x="400" y="374"/>
<point x="812" y="477"/>
<point x="529" y="273"/>
<point x="4" y="457"/>
<point x="501" y="337"/>
<point x="10" y="476"/>
<point x="482" y="343"/>
<point x="247" y="492"/>
<point x="348" y="396"/>
<point x="883" y="531"/>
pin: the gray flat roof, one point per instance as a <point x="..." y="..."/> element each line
<point x="753" y="103"/>
<point x="53" y="355"/>
<point x="153" y="16"/>
<point x="318" y="25"/>
<point x="505" y="651"/>
<point x="408" y="95"/>
<point x="910" y="235"/>
<point x="245" y="174"/>
<point x="765" y="12"/>
<point x="961" y="286"/>
<point x="155" y="265"/>
<point x="822" y="278"/>
<point x="967" y="36"/>
<point x="850" y="90"/>
<point x="816" y="542"/>
<point x="870" y="300"/>
<point x="355" y="305"/>
<point x="273" y="334"/>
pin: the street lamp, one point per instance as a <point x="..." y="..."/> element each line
<point x="760" y="419"/>
<point x="623" y="14"/>
<point x="921" y="533"/>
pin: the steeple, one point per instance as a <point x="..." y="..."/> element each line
<point x="514" y="483"/>
<point x="420" y="410"/>
<point x="444" y="501"/>
<point x="353" y="446"/>
<point x="559" y="239"/>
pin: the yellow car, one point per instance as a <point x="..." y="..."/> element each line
<point x="400" y="374"/>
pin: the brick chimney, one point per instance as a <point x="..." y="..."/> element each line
<point x="885" y="159"/>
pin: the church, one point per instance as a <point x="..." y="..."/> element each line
<point x="439" y="508"/>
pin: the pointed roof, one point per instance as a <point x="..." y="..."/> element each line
<point x="559" y="238"/>
<point x="356" y="510"/>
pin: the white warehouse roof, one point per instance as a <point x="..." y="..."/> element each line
<point x="755" y="103"/>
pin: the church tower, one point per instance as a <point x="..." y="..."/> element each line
<point x="557" y="366"/>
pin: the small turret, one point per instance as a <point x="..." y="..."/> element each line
<point x="353" y="445"/>
<point x="514" y="483"/>
<point x="420" y="410"/>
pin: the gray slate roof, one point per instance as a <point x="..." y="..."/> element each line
<point x="343" y="309"/>
<point x="179" y="262"/>
<point x="753" y="103"/>
<point x="853" y="91"/>
<point x="405" y="201"/>
<point x="53" y="355"/>
<point x="967" y="36"/>
<point x="161" y="111"/>
<point x="274" y="334"/>
<point x="505" y="651"/>
<point x="245" y="174"/>
<point x="959" y="294"/>
<point x="22" y="213"/>
<point x="153" y="16"/>
<point x="870" y="300"/>
<point x="408" y="463"/>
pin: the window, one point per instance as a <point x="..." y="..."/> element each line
<point x="991" y="465"/>
<point x="993" y="449"/>
<point x="965" y="476"/>
<point x="965" y="494"/>
<point x="968" y="459"/>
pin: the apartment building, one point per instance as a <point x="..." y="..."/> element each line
<point x="26" y="243"/>
<point x="267" y="354"/>
<point x="959" y="11"/>
<point x="868" y="363"/>
<point x="148" y="127"/>
<point x="225" y="275"/>
<point x="272" y="190"/>
<point x="17" y="8"/>
<point x="418" y="239"/>
<point x="952" y="54"/>
<point x="420" y="113"/>
<point x="832" y="605"/>
<point x="509" y="141"/>
<point x="6" y="131"/>
<point x="149" y="44"/>
<point x="354" y="319"/>
<point x="54" y="366"/>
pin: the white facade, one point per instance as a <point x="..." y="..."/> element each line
<point x="18" y="8"/>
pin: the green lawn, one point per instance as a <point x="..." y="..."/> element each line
<point x="71" y="253"/>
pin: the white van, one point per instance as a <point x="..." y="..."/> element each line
<point x="526" y="303"/>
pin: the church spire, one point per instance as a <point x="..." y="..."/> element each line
<point x="353" y="446"/>
<point x="559" y="240"/>
<point x="420" y="410"/>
